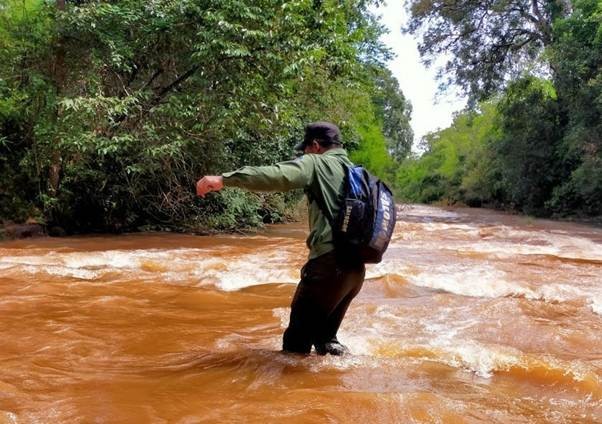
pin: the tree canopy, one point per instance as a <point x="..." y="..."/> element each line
<point x="109" y="111"/>
<point x="485" y="42"/>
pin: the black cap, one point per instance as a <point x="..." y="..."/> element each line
<point x="325" y="132"/>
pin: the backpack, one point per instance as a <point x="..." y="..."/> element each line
<point x="366" y="218"/>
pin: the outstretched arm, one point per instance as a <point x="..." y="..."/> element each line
<point x="283" y="176"/>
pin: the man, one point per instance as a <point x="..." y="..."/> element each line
<point x="330" y="279"/>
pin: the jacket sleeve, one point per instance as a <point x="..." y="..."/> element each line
<point x="283" y="176"/>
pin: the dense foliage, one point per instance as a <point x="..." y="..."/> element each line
<point x="453" y="165"/>
<point x="485" y="41"/>
<point x="110" y="110"/>
<point x="536" y="145"/>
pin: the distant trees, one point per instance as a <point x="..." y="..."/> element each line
<point x="577" y="57"/>
<point x="526" y="149"/>
<point x="542" y="152"/>
<point x="456" y="164"/>
<point x="395" y="111"/>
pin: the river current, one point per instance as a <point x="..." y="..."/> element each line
<point x="474" y="316"/>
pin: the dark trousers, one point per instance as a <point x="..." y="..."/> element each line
<point x="327" y="287"/>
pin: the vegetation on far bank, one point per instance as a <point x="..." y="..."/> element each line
<point x="110" y="111"/>
<point x="532" y="139"/>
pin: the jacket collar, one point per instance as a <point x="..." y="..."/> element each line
<point x="337" y="151"/>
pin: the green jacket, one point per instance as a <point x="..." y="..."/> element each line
<point x="318" y="174"/>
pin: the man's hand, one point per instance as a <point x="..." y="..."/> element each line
<point x="208" y="184"/>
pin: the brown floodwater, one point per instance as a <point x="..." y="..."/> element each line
<point x="473" y="317"/>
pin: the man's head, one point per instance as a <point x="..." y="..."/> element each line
<point x="320" y="137"/>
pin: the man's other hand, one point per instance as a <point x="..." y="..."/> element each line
<point x="208" y="184"/>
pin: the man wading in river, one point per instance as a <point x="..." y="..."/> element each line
<point x="330" y="279"/>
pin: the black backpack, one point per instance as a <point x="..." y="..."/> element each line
<point x="366" y="218"/>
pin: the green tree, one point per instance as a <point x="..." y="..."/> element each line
<point x="112" y="110"/>
<point x="395" y="111"/>
<point x="455" y="166"/>
<point x="577" y="56"/>
<point x="527" y="149"/>
<point x="485" y="41"/>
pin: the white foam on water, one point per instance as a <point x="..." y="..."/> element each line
<point x="11" y="417"/>
<point x="84" y="260"/>
<point x="114" y="259"/>
<point x="249" y="270"/>
<point x="203" y="266"/>
<point x="7" y="261"/>
<point x="485" y="360"/>
<point x="187" y="266"/>
<point x="574" y="248"/>
<point x="282" y="314"/>
<point x="487" y="281"/>
<point x="388" y="267"/>
<point x="440" y="340"/>
<point x="387" y="332"/>
<point x="564" y="293"/>
<point x="440" y="228"/>
<point x="500" y="240"/>
<point x="473" y="356"/>
<point x="482" y="281"/>
<point x="80" y="274"/>
<point x="597" y="304"/>
<point x="426" y="211"/>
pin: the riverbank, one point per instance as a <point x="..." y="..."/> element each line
<point x="577" y="219"/>
<point x="33" y="229"/>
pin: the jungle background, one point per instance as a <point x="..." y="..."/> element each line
<point x="111" y="110"/>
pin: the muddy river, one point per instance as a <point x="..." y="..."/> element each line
<point x="473" y="317"/>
